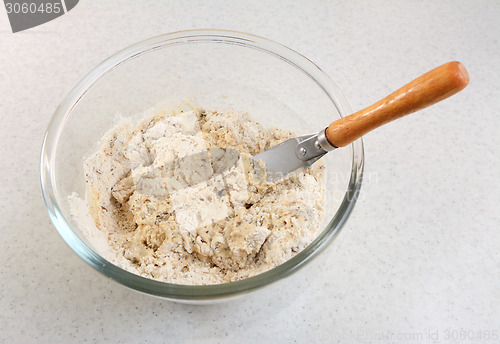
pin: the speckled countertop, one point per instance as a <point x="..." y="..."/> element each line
<point x="418" y="261"/>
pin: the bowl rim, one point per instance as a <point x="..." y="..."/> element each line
<point x="177" y="292"/>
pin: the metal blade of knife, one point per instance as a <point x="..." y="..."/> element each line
<point x="293" y="155"/>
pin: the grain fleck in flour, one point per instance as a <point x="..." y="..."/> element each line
<point x="176" y="200"/>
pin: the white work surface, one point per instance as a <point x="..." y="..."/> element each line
<point x="418" y="260"/>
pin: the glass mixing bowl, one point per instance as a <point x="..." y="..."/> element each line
<point x="215" y="69"/>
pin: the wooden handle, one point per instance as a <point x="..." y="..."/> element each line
<point x="428" y="89"/>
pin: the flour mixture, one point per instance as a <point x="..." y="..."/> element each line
<point x="175" y="198"/>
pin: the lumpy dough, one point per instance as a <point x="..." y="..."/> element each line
<point x="177" y="200"/>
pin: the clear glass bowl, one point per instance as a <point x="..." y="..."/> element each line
<point x="215" y="69"/>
